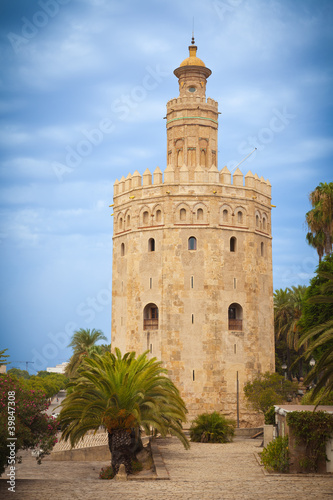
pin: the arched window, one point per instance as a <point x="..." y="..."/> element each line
<point x="158" y="215"/>
<point x="240" y="217"/>
<point x="200" y="214"/>
<point x="225" y="215"/>
<point x="151" y="245"/>
<point x="262" y="249"/>
<point x="257" y="220"/>
<point x="192" y="243"/>
<point x="128" y="221"/>
<point x="122" y="249"/>
<point x="264" y="223"/>
<point x="145" y="217"/>
<point x="182" y="214"/>
<point x="120" y="224"/>
<point x="233" y="244"/>
<point x="150" y="317"/>
<point x="235" y="317"/>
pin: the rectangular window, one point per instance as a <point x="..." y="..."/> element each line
<point x="235" y="348"/>
<point x="235" y="282"/>
<point x="192" y="319"/>
<point x="193" y="375"/>
<point x="150" y="282"/>
<point x="192" y="281"/>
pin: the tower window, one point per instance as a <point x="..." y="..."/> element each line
<point x="233" y="244"/>
<point x="150" y="282"/>
<point x="199" y="214"/>
<point x="192" y="243"/>
<point x="150" y="317"/>
<point x="257" y="220"/>
<point x="182" y="214"/>
<point x="151" y="245"/>
<point x="145" y="217"/>
<point x="262" y="249"/>
<point x="235" y="317"/>
<point x="158" y="215"/>
<point x="122" y="249"/>
<point x="192" y="319"/>
<point x="225" y="215"/>
<point x="128" y="221"/>
<point x="120" y="223"/>
<point x="264" y="223"/>
<point x="240" y="217"/>
<point x="192" y="281"/>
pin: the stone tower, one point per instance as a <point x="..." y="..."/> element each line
<point x="192" y="260"/>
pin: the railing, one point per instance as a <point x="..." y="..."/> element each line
<point x="150" y="324"/>
<point x="236" y="324"/>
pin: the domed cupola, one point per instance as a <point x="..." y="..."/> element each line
<point x="192" y="74"/>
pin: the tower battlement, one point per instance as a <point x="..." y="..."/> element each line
<point x="210" y="181"/>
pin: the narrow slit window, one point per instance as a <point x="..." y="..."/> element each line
<point x="262" y="249"/>
<point x="150" y="283"/>
<point x="192" y="319"/>
<point x="199" y="214"/>
<point x="151" y="245"/>
<point x="193" y="375"/>
<point x="233" y="244"/>
<point x="192" y="281"/>
<point x="235" y="283"/>
<point x="122" y="249"/>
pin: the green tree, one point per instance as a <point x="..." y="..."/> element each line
<point x="288" y="305"/>
<point x="3" y="357"/>
<point x="319" y="336"/>
<point x="122" y="394"/>
<point x="320" y="219"/>
<point x="17" y="372"/>
<point x="268" y="389"/>
<point x="83" y="344"/>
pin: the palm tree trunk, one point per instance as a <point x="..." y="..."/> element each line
<point x="119" y="442"/>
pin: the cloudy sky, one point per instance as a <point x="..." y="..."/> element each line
<point x="84" y="84"/>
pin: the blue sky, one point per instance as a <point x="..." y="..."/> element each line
<point x="84" y="86"/>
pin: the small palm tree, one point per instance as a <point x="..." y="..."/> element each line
<point x="84" y="344"/>
<point x="123" y="394"/>
<point x="212" y="428"/>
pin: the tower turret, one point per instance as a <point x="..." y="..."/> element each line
<point x="192" y="121"/>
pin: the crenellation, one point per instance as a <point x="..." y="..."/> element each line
<point x="158" y="176"/>
<point x="237" y="178"/>
<point x="146" y="178"/>
<point x="128" y="183"/>
<point x="225" y="176"/>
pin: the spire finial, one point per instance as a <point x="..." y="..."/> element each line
<point x="193" y="42"/>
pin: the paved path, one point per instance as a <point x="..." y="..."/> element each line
<point x="205" y="472"/>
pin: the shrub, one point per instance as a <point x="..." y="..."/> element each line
<point x="275" y="457"/>
<point x="212" y="428"/>
<point x="312" y="429"/>
<point x="270" y="416"/>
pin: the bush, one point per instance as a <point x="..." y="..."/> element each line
<point x="212" y="428"/>
<point x="270" y="416"/>
<point x="275" y="457"/>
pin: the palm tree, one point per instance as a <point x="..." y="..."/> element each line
<point x="287" y="313"/>
<point x="320" y="219"/>
<point x="84" y="344"/>
<point x="321" y="343"/>
<point x="123" y="394"/>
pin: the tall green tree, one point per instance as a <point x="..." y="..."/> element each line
<point x="123" y="394"/>
<point x="318" y="330"/>
<point x="320" y="219"/>
<point x="288" y="306"/>
<point x="83" y="344"/>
